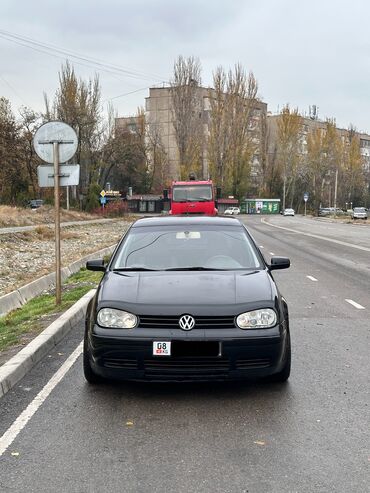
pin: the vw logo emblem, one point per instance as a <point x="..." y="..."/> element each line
<point x="186" y="322"/>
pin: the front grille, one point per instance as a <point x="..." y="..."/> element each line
<point x="192" y="213"/>
<point x="246" y="364"/>
<point x="173" y="322"/>
<point x="128" y="364"/>
<point x="186" y="366"/>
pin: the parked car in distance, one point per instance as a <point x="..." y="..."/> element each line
<point x="359" y="213"/>
<point x="35" y="203"/>
<point x="288" y="212"/>
<point x="187" y="299"/>
<point x="329" y="211"/>
<point x="232" y="211"/>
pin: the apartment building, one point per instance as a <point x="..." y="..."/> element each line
<point x="159" y="115"/>
<point x="309" y="124"/>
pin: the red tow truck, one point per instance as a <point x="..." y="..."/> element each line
<point x="193" y="197"/>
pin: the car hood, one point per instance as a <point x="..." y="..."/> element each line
<point x="143" y="290"/>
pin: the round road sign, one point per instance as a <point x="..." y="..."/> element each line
<point x="51" y="132"/>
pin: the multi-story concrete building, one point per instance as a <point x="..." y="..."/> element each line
<point x="159" y="114"/>
<point x="309" y="125"/>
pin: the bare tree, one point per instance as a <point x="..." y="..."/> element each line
<point x="232" y="139"/>
<point x="187" y="107"/>
<point x="157" y="162"/>
<point x="29" y="123"/>
<point x="352" y="186"/>
<point x="288" y="148"/>
<point x="324" y="155"/>
<point x="219" y="128"/>
<point x="78" y="103"/>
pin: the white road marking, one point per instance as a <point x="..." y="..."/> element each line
<point x="356" y="305"/>
<point x="344" y="243"/>
<point x="262" y="246"/>
<point x="271" y="253"/>
<point x="311" y="278"/>
<point x="9" y="436"/>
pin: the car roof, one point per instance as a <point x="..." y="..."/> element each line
<point x="186" y="220"/>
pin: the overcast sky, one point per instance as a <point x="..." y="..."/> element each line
<point x="302" y="53"/>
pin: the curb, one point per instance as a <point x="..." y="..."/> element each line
<point x="20" y="296"/>
<point x="17" y="367"/>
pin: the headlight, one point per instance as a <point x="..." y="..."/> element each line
<point x="257" y="319"/>
<point x="113" y="318"/>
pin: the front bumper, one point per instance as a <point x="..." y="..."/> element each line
<point x="131" y="358"/>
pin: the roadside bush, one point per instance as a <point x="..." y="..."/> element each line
<point x="116" y="208"/>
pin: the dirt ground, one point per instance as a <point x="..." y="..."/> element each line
<point x="28" y="255"/>
<point x="19" y="216"/>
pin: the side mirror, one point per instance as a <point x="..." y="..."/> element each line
<point x="279" y="263"/>
<point x="97" y="265"/>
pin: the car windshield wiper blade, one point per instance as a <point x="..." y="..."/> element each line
<point x="125" y="269"/>
<point x="193" y="268"/>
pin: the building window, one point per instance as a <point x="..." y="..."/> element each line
<point x="364" y="143"/>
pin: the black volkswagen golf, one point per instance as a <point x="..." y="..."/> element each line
<point x="187" y="299"/>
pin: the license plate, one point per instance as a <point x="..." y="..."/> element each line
<point x="162" y="348"/>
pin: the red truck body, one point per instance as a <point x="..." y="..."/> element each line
<point x="193" y="197"/>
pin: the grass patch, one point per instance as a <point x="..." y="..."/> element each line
<point x="84" y="275"/>
<point x="44" y="233"/>
<point x="29" y="318"/>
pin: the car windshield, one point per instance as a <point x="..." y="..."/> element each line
<point x="359" y="209"/>
<point x="197" y="247"/>
<point x="192" y="193"/>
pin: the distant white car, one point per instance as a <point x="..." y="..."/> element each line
<point x="232" y="210"/>
<point x="359" y="213"/>
<point x="288" y="212"/>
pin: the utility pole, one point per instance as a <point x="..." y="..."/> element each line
<point x="335" y="192"/>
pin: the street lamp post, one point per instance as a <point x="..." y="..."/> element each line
<point x="335" y="192"/>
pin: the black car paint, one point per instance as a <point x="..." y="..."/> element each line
<point x="221" y="293"/>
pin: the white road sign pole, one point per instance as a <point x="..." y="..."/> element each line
<point x="58" y="281"/>
<point x="56" y="142"/>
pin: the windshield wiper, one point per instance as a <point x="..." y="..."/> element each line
<point x="193" y="268"/>
<point x="125" y="269"/>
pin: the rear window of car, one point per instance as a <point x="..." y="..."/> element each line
<point x="175" y="247"/>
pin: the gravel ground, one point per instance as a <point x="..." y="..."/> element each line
<point x="28" y="255"/>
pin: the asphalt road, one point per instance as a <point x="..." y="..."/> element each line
<point x="309" y="435"/>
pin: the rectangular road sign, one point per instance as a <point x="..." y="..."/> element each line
<point x="68" y="175"/>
